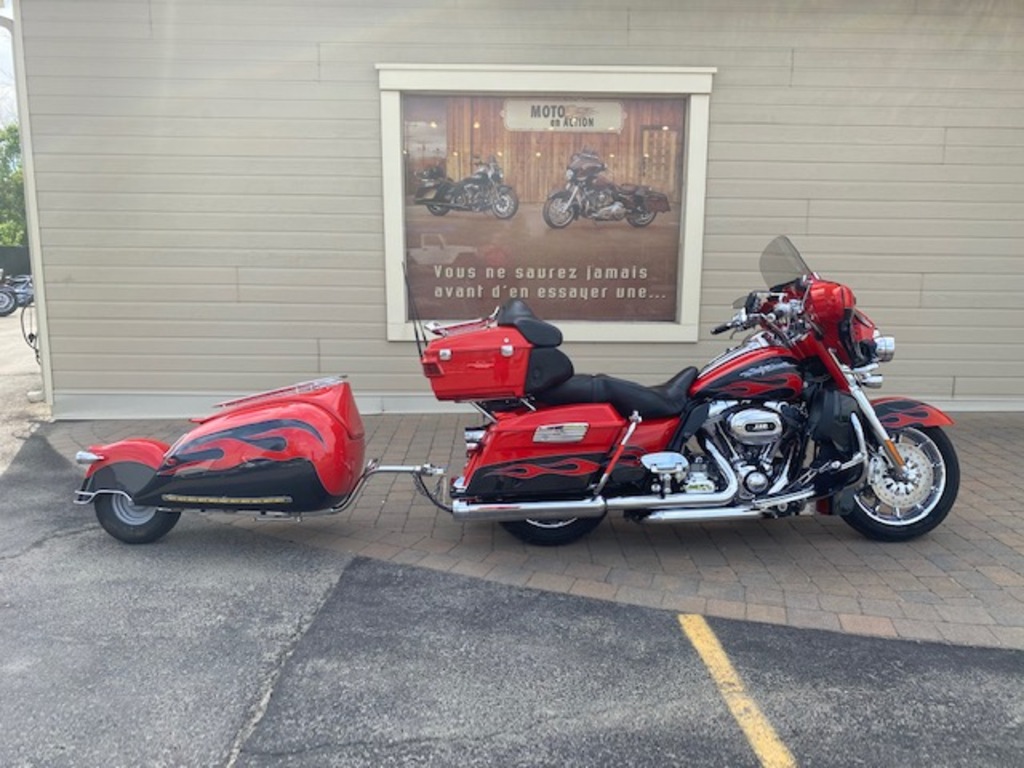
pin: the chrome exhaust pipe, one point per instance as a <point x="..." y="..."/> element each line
<point x="702" y="515"/>
<point x="529" y="510"/>
<point x="674" y="504"/>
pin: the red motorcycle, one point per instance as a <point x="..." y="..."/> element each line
<point x="775" y="425"/>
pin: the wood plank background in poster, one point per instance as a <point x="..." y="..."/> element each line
<point x="534" y="162"/>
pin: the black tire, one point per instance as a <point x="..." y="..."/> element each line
<point x="930" y="492"/>
<point x="132" y="524"/>
<point x="8" y="301"/>
<point x="552" y="533"/>
<point x="438" y="210"/>
<point x="506" y="203"/>
<point x="558" y="214"/>
<point x="640" y="219"/>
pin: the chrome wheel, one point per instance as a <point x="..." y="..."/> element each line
<point x="897" y="506"/>
<point x="129" y="513"/>
<point x="904" y="500"/>
<point x="506" y="203"/>
<point x="558" y="213"/>
<point x="551" y="524"/>
<point x="640" y="218"/>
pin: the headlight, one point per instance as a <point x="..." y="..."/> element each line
<point x="885" y="348"/>
<point x="568" y="175"/>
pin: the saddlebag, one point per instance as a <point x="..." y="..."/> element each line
<point x="656" y="202"/>
<point x="555" y="453"/>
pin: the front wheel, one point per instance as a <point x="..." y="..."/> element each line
<point x="552" y="533"/>
<point x="558" y="212"/>
<point x="891" y="507"/>
<point x="130" y="523"/>
<point x="506" y="203"/>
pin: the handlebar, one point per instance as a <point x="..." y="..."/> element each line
<point x="778" y="310"/>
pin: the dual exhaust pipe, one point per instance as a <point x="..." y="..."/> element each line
<point x="672" y="508"/>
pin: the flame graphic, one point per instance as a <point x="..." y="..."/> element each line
<point x="267" y="441"/>
<point x="563" y="467"/>
<point x="899" y="413"/>
<point x="775" y="386"/>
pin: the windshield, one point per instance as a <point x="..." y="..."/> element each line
<point x="781" y="263"/>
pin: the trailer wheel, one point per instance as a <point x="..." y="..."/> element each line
<point x="130" y="523"/>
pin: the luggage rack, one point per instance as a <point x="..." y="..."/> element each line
<point x="453" y="329"/>
<point x="292" y="389"/>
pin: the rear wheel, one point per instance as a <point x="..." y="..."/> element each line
<point x="130" y="523"/>
<point x="893" y="507"/>
<point x="640" y="218"/>
<point x="438" y="210"/>
<point x="552" y="533"/>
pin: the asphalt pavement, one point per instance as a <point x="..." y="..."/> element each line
<point x="221" y="645"/>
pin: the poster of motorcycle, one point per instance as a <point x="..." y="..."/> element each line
<point x="572" y="204"/>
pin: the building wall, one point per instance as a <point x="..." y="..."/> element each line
<point x="209" y="181"/>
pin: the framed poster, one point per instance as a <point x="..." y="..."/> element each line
<point x="580" y="191"/>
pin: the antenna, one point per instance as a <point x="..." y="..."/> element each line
<point x="414" y="315"/>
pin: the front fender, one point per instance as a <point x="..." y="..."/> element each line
<point x="901" y="412"/>
<point x="125" y="466"/>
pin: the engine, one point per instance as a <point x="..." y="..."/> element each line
<point x="604" y="206"/>
<point x="755" y="436"/>
<point x="761" y="444"/>
<point x="472" y="193"/>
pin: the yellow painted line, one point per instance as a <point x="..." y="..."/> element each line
<point x="759" y="732"/>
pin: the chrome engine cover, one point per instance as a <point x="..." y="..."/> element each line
<point x="755" y="426"/>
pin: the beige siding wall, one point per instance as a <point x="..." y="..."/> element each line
<point x="209" y="181"/>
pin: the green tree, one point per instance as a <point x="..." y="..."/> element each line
<point x="12" y="188"/>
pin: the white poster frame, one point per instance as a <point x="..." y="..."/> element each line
<point x="691" y="83"/>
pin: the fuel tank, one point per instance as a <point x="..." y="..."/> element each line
<point x="756" y="370"/>
<point x="298" y="449"/>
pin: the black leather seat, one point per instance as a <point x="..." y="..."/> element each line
<point x="517" y="314"/>
<point x="657" y="402"/>
<point x="550" y="378"/>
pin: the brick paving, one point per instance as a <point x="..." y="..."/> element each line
<point x="963" y="583"/>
